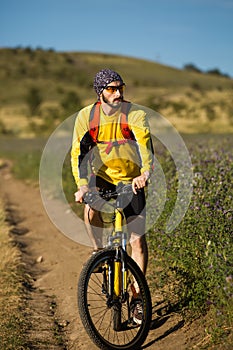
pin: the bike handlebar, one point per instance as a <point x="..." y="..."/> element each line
<point x="92" y="197"/>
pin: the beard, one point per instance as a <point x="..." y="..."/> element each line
<point x="115" y="103"/>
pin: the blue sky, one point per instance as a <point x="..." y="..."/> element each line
<point x="171" y="32"/>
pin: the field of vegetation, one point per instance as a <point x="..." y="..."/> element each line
<point x="195" y="260"/>
<point x="193" y="265"/>
<point x="41" y="88"/>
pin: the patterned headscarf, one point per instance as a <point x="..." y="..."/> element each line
<point x="105" y="77"/>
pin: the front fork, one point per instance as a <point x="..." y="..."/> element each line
<point x="117" y="273"/>
<point x="120" y="274"/>
<point x="115" y="277"/>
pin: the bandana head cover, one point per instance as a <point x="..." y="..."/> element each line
<point x="105" y="77"/>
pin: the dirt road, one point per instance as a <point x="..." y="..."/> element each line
<point x="54" y="262"/>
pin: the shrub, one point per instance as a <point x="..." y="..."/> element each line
<point x="33" y="99"/>
<point x="71" y="103"/>
<point x="192" y="68"/>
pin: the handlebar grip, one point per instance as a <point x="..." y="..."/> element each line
<point x="89" y="197"/>
<point x="93" y="197"/>
<point x="94" y="200"/>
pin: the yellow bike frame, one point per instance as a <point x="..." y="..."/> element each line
<point x="120" y="273"/>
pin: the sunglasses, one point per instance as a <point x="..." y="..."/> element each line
<point x="113" y="89"/>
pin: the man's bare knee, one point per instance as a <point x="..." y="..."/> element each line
<point x="138" y="242"/>
<point x="92" y="217"/>
<point x="136" y="225"/>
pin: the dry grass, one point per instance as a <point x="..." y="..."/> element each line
<point x="192" y="102"/>
<point x="12" y="322"/>
<point x="189" y="111"/>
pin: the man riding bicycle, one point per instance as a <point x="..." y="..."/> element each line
<point x="113" y="136"/>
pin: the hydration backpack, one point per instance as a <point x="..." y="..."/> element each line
<point x="95" y="120"/>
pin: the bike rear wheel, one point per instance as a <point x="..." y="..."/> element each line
<point x="110" y="324"/>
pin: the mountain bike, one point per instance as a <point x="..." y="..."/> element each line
<point x="107" y="285"/>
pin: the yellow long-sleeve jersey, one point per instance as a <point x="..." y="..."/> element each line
<point x="112" y="157"/>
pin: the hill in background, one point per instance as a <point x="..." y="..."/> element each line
<point x="41" y="88"/>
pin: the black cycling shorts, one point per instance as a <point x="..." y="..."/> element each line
<point x="135" y="207"/>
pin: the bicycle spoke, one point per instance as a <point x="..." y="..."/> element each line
<point x="107" y="320"/>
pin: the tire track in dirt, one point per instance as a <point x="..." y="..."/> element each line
<point x="55" y="277"/>
<point x="55" y="262"/>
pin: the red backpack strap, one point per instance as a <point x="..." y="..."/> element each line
<point x="94" y="121"/>
<point x="127" y="133"/>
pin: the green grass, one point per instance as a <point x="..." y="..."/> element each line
<point x="25" y="154"/>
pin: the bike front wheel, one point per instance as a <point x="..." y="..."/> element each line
<point x="109" y="323"/>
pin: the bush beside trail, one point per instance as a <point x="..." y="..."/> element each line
<point x="196" y="259"/>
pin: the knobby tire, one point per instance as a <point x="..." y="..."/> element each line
<point x="108" y="326"/>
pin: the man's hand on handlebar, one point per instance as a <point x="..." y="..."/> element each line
<point x="80" y="193"/>
<point x="140" y="181"/>
<point x="137" y="183"/>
